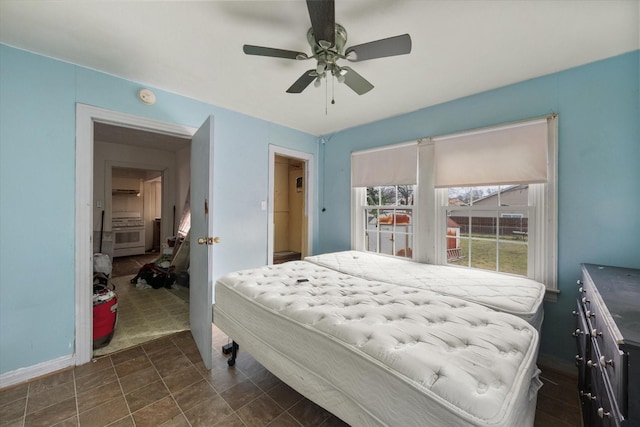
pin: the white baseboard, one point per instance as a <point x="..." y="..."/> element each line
<point x="24" y="374"/>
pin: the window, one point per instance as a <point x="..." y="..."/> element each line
<point x="388" y="220"/>
<point x="487" y="199"/>
<point x="383" y="182"/>
<point x="495" y="199"/>
<point x="487" y="228"/>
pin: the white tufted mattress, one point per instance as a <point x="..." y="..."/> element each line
<point x="510" y="294"/>
<point x="378" y="354"/>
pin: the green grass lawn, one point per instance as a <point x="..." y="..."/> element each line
<point x="512" y="255"/>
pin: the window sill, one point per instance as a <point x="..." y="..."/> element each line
<point x="551" y="295"/>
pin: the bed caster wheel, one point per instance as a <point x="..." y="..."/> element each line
<point x="227" y="348"/>
<point x="234" y="352"/>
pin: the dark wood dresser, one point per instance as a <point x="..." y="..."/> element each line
<point x="608" y="339"/>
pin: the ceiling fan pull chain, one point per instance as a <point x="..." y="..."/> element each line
<point x="333" y="91"/>
<point x="326" y="98"/>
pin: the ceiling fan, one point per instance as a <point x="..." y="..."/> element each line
<point x="327" y="40"/>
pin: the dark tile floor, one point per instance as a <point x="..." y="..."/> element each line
<point x="161" y="383"/>
<point x="164" y="383"/>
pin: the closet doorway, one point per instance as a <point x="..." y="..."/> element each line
<point x="290" y="191"/>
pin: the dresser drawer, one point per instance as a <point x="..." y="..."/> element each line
<point x="604" y="409"/>
<point x="609" y="309"/>
<point x="583" y="347"/>
<point x="605" y="337"/>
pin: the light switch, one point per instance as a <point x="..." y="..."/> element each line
<point x="263" y="205"/>
<point x="98" y="204"/>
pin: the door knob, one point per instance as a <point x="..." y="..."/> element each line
<point x="208" y="240"/>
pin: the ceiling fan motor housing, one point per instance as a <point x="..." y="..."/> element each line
<point x="328" y="55"/>
<point x="340" y="41"/>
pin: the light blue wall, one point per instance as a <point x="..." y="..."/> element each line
<point x="599" y="208"/>
<point x="38" y="99"/>
<point x="599" y="168"/>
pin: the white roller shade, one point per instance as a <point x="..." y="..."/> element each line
<point x="395" y="165"/>
<point x="511" y="154"/>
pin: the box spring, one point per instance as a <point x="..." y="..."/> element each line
<point x="377" y="354"/>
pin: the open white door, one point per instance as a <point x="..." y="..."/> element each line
<point x="201" y="262"/>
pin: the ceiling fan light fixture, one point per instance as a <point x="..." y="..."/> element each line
<point x="327" y="40"/>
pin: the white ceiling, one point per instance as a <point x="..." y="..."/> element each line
<point x="194" y="48"/>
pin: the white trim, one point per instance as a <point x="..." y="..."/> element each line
<point x="441" y="196"/>
<point x="86" y="115"/>
<point x="358" y="199"/>
<point x="426" y="224"/>
<point x="24" y="374"/>
<point x="551" y="224"/>
<point x="309" y="206"/>
<point x="84" y="234"/>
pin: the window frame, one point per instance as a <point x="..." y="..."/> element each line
<point x="499" y="210"/>
<point x="359" y="227"/>
<point x="430" y="217"/>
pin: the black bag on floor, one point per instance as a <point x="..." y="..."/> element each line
<point x="155" y="277"/>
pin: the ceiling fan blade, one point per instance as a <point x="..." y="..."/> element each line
<point x="304" y="81"/>
<point x="392" y="46"/>
<point x="269" y="51"/>
<point x="356" y="82"/>
<point x="323" y="19"/>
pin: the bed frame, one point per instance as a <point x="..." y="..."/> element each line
<point x="378" y="354"/>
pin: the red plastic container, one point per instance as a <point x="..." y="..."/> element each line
<point x="105" y="314"/>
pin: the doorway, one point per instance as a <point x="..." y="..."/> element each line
<point x="136" y="163"/>
<point x="288" y="210"/>
<point x="91" y="199"/>
<point x="290" y="190"/>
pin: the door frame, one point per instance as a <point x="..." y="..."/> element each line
<point x="86" y="115"/>
<point x="309" y="207"/>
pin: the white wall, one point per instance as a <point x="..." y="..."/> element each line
<point x="107" y="155"/>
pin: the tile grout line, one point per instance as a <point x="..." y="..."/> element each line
<point x="26" y="404"/>
<point x="75" y="395"/>
<point x="165" y="384"/>
<point x="266" y="393"/>
<point x="124" y="396"/>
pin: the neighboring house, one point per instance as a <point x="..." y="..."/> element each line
<point x="511" y="223"/>
<point x="516" y="195"/>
